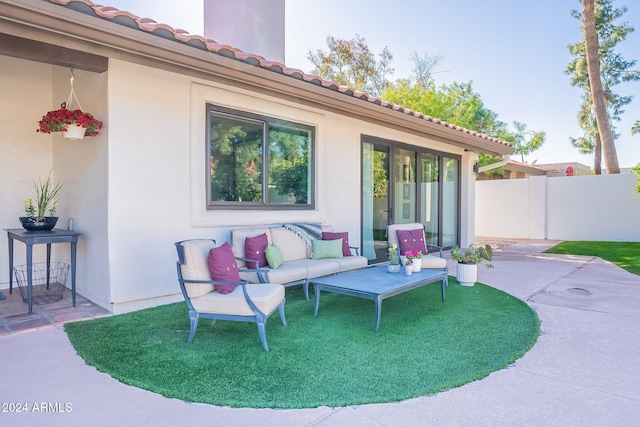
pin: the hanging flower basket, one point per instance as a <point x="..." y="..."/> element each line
<point x="74" y="124"/>
<point x="64" y="120"/>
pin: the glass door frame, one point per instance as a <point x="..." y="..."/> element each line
<point x="393" y="146"/>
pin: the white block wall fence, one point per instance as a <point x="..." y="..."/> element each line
<point x="594" y="207"/>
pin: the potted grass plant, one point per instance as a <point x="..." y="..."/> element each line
<point x="468" y="260"/>
<point x="40" y="211"/>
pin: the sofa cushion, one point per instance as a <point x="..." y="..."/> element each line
<point x="326" y="249"/>
<point x="346" y="251"/>
<point x="254" y="249"/>
<point x="411" y="240"/>
<point x="317" y="267"/>
<point x="266" y="297"/>
<point x="223" y="267"/>
<point x="349" y="262"/>
<point x="273" y="256"/>
<point x="238" y="237"/>
<point x="431" y="261"/>
<point x="195" y="266"/>
<point x="288" y="273"/>
<point x="291" y="246"/>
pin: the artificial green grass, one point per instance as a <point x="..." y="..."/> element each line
<point x="623" y="254"/>
<point x="423" y="346"/>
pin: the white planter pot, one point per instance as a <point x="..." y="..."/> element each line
<point x="74" y="132"/>
<point x="408" y="270"/>
<point x="393" y="268"/>
<point x="467" y="274"/>
<point x="417" y="265"/>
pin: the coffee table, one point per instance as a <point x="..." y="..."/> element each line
<point x="376" y="284"/>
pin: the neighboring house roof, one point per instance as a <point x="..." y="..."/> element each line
<point x="522" y="167"/>
<point x="111" y="14"/>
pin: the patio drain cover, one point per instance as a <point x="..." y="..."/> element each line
<point x="579" y="291"/>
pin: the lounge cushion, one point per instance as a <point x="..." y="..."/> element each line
<point x="238" y="237"/>
<point x="327" y="235"/>
<point x="291" y="246"/>
<point x="266" y="296"/>
<point x="349" y="262"/>
<point x="254" y="249"/>
<point x="195" y="266"/>
<point x="273" y="256"/>
<point x="411" y="240"/>
<point x="289" y="272"/>
<point x="326" y="249"/>
<point x="430" y="261"/>
<point x="223" y="267"/>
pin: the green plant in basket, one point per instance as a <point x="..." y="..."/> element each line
<point x="474" y="254"/>
<point x="46" y="195"/>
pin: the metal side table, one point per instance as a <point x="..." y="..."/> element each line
<point x="31" y="238"/>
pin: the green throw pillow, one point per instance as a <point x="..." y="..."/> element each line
<point x="327" y="249"/>
<point x="274" y="256"/>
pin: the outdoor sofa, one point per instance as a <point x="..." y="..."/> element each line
<point x="293" y="254"/>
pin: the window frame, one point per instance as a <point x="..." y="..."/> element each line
<point x="267" y="122"/>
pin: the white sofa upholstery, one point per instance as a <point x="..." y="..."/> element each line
<point x="298" y="266"/>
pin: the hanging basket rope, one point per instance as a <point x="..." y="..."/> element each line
<point x="67" y="119"/>
<point x="72" y="95"/>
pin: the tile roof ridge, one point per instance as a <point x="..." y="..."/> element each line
<point x="150" y="26"/>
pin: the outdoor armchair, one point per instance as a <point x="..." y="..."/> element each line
<point x="428" y="260"/>
<point x="223" y="299"/>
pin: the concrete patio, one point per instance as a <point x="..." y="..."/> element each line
<point x="582" y="371"/>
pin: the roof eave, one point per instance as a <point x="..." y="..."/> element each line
<point x="62" y="26"/>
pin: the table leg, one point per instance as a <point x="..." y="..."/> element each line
<point x="378" y="314"/>
<point x="73" y="272"/>
<point x="317" y="290"/>
<point x="10" y="265"/>
<point x="442" y="286"/>
<point x="48" y="264"/>
<point x="30" y="277"/>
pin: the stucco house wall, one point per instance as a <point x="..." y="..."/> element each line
<point x="139" y="186"/>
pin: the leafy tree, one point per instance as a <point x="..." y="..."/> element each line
<point x="613" y="70"/>
<point x="525" y="142"/>
<point x="351" y="63"/>
<point x="459" y="104"/>
<point x="636" y="170"/>
<point x="636" y="128"/>
<point x="424" y="66"/>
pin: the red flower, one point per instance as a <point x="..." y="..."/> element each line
<point x="59" y="120"/>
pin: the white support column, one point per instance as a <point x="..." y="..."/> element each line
<point x="467" y="199"/>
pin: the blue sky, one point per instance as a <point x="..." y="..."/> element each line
<point x="514" y="52"/>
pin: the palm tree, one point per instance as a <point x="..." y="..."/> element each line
<point x="595" y="83"/>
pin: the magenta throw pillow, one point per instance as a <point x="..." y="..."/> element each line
<point x="254" y="249"/>
<point x="327" y="235"/>
<point x="411" y="240"/>
<point x="223" y="267"/>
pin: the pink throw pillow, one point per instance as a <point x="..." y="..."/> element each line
<point x="223" y="267"/>
<point x="326" y="235"/>
<point x="411" y="240"/>
<point x="254" y="249"/>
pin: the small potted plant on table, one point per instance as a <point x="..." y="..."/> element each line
<point x="394" y="261"/>
<point x="468" y="260"/>
<point x="408" y="266"/>
<point x="42" y="216"/>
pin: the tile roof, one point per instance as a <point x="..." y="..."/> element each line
<point x="167" y="32"/>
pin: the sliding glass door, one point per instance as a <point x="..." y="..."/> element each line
<point x="403" y="184"/>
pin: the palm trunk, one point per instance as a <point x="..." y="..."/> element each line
<point x="597" y="159"/>
<point x="595" y="82"/>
